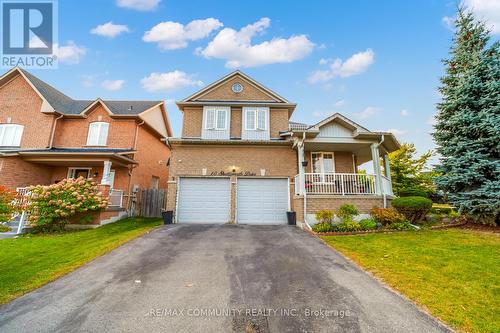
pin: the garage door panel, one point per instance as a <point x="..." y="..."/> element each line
<point x="262" y="201"/>
<point x="204" y="200"/>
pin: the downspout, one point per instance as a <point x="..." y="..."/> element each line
<point x="53" y="131"/>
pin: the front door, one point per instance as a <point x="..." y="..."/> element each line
<point x="323" y="163"/>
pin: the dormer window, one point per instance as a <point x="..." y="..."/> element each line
<point x="10" y="135"/>
<point x="98" y="134"/>
<point x="256" y="119"/>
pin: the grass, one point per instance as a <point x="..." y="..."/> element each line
<point x="31" y="261"/>
<point x="454" y="274"/>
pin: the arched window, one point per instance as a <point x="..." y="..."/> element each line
<point x="10" y="135"/>
<point x="98" y="134"/>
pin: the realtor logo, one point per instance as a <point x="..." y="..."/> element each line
<point x="28" y="33"/>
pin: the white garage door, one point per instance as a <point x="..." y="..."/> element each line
<point x="203" y="200"/>
<point x="262" y="201"/>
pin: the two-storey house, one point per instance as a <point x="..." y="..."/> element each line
<point x="240" y="159"/>
<point x="46" y="136"/>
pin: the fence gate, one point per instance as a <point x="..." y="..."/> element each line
<point x="152" y="202"/>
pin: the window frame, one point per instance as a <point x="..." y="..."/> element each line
<point x="17" y="135"/>
<point x="216" y="111"/>
<point x="98" y="134"/>
<point x="72" y="171"/>
<point x="256" y="111"/>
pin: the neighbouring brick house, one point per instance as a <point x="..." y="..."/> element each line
<point x="46" y="136"/>
<point x="239" y="159"/>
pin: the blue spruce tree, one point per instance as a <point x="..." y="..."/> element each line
<point x="467" y="129"/>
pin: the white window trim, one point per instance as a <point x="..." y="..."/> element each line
<point x="322" y="166"/>
<point x="217" y="110"/>
<point x="71" y="172"/>
<point x="256" y="111"/>
<point x="98" y="134"/>
<point x="3" y="130"/>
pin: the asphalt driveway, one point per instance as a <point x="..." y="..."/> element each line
<point x="217" y="279"/>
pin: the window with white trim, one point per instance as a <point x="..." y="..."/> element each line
<point x="256" y="119"/>
<point x="10" y="135"/>
<point x="216" y="119"/>
<point x="98" y="134"/>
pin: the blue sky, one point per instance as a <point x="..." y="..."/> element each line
<point x="377" y="62"/>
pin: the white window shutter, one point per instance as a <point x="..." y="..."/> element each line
<point x="210" y="122"/>
<point x="261" y="120"/>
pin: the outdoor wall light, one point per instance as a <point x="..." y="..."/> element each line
<point x="233" y="168"/>
<point x="304" y="163"/>
<point x="96" y="174"/>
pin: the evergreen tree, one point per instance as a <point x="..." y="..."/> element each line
<point x="467" y="129"/>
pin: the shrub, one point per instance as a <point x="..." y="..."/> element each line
<point x="386" y="216"/>
<point x="7" y="205"/>
<point x="368" y="224"/>
<point x="51" y="206"/>
<point x="347" y="225"/>
<point x="347" y="211"/>
<point x="4" y="228"/>
<point x="442" y="209"/>
<point x="400" y="226"/>
<point x="324" y="216"/>
<point x="413" y="192"/>
<point x="322" y="227"/>
<point x="413" y="208"/>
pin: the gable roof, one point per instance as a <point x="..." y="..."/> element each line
<point x="258" y="85"/>
<point x="64" y="104"/>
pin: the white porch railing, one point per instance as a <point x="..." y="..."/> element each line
<point x="116" y="198"/>
<point x="340" y="184"/>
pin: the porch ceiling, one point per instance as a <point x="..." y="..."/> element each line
<point x="76" y="159"/>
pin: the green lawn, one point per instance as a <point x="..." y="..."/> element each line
<point x="31" y="261"/>
<point x="455" y="274"/>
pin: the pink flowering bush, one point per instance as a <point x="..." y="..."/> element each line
<point x="51" y="206"/>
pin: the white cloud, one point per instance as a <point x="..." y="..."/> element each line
<point x="354" y="65"/>
<point x="70" y="53"/>
<point x="323" y="61"/>
<point x="448" y="22"/>
<point x="236" y="47"/>
<point x="166" y="82"/>
<point x="142" y="5"/>
<point x="339" y="103"/>
<point x="368" y="112"/>
<point x="404" y="113"/>
<point x="173" y="35"/>
<point x="112" y="85"/>
<point x="109" y="29"/>
<point x="432" y="120"/>
<point x="395" y="131"/>
<point x="486" y="10"/>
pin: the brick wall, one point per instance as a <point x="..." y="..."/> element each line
<point x="224" y="92"/>
<point x="22" y="104"/>
<point x="192" y="122"/>
<point x="190" y="160"/>
<point x="236" y="122"/>
<point x="364" y="205"/>
<point x="278" y="122"/>
<point x="150" y="151"/>
<point x="73" y="132"/>
<point x="15" y="172"/>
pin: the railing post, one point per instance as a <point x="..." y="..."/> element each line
<point x="342" y="183"/>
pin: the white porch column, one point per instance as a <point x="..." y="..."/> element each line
<point x="387" y="167"/>
<point x="106" y="173"/>
<point x="300" y="153"/>
<point x="376" y="167"/>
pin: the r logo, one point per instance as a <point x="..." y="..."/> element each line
<point x="27" y="27"/>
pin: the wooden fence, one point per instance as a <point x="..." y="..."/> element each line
<point x="152" y="201"/>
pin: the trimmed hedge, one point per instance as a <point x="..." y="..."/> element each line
<point x="413" y="192"/>
<point x="413" y="208"/>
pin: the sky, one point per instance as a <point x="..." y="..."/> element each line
<point x="376" y="62"/>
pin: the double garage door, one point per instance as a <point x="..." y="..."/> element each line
<point x="208" y="200"/>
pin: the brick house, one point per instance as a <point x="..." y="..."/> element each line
<point x="46" y="136"/>
<point x="240" y="159"/>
